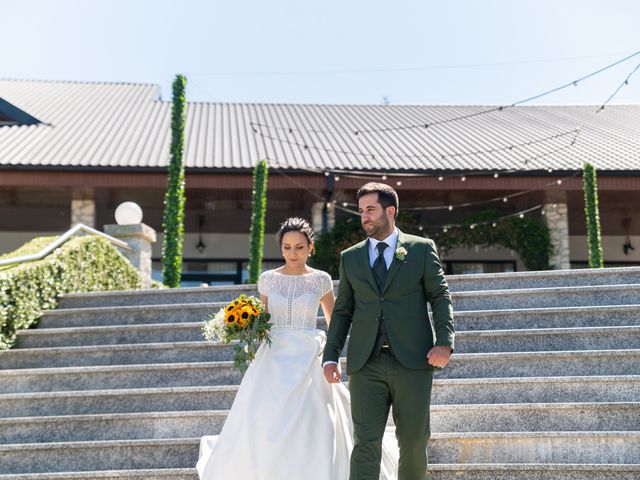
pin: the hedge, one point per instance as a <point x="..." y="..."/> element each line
<point x="82" y="264"/>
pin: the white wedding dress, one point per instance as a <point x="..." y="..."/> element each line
<point x="287" y="422"/>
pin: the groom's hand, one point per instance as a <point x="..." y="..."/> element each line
<point x="439" y="356"/>
<point x="331" y="373"/>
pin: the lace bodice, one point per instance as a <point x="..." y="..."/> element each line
<point x="294" y="299"/>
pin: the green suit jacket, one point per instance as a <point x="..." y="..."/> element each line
<point x="410" y="284"/>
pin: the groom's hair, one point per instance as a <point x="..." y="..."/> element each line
<point x="387" y="196"/>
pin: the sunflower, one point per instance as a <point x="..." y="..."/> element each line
<point x="245" y="313"/>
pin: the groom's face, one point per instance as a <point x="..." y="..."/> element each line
<point x="377" y="222"/>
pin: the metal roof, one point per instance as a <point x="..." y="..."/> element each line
<point x="127" y="126"/>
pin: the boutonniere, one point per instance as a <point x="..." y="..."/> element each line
<point x="401" y="252"/>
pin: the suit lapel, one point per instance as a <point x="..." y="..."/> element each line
<point x="395" y="264"/>
<point x="366" y="265"/>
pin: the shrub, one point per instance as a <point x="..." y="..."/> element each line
<point x="83" y="264"/>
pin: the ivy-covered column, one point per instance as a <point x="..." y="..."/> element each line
<point x="557" y="219"/>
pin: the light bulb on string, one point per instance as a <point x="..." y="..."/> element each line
<point x="399" y="182"/>
<point x="505" y="199"/>
<point x="496" y="175"/>
<point x="326" y="174"/>
<point x="472" y="226"/>
<point x="494" y="224"/>
<point x="384" y="177"/>
<point x="336" y="178"/>
<point x="345" y="204"/>
<point x="521" y="215"/>
<point x="445" y="229"/>
<point x="559" y="182"/>
<point x="440" y="178"/>
<point x="450" y="208"/>
<point x="543" y="212"/>
<point x="463" y="178"/>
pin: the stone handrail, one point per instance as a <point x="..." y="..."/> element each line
<point x="59" y="241"/>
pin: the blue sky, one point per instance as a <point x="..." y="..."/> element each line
<point x="422" y="50"/>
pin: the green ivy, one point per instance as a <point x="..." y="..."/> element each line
<point x="173" y="224"/>
<point x="83" y="264"/>
<point x="258" y="211"/>
<point x="529" y="237"/>
<point x="593" y="217"/>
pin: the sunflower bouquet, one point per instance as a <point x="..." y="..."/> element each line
<point x="243" y="321"/>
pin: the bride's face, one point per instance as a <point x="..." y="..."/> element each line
<point x="295" y="248"/>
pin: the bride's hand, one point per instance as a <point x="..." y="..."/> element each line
<point x="332" y="373"/>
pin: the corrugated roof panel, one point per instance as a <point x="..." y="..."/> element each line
<point x="125" y="125"/>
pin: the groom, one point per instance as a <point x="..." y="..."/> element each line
<point x="385" y="284"/>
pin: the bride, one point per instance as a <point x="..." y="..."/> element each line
<point x="286" y="421"/>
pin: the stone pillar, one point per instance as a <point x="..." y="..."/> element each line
<point x="83" y="207"/>
<point x="317" y="211"/>
<point x="139" y="237"/>
<point x="557" y="219"/>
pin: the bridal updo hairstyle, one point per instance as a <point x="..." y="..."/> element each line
<point x="295" y="224"/>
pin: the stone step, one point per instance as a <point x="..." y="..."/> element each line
<point x="133" y="315"/>
<point x="461" y="471"/>
<point x="118" y="377"/>
<point x="532" y="364"/>
<point x="53" y="339"/>
<point x="553" y="317"/>
<point x="535" y="447"/>
<point x="128" y="315"/>
<point x="548" y="339"/>
<point x="464" y="365"/>
<point x="591" y="295"/>
<point x="531" y="471"/>
<point x="82" y="402"/>
<point x="541" y="389"/>
<point x="147" y="474"/>
<point x="114" y="426"/>
<point x="445" y="392"/>
<point x="128" y="354"/>
<point x="101" y="456"/>
<point x="544" y="279"/>
<point x="457" y="283"/>
<point x="445" y="448"/>
<point x="444" y="418"/>
<point x="536" y="417"/>
<point x="199" y="308"/>
<point x="182" y="296"/>
<point x="112" y="335"/>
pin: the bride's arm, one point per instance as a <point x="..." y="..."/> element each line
<point x="328" y="301"/>
<point x="265" y="301"/>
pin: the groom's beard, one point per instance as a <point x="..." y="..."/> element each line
<point x="379" y="229"/>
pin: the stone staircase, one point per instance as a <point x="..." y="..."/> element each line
<point x="545" y="383"/>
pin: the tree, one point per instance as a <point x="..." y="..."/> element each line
<point x="173" y="224"/>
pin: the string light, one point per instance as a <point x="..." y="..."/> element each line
<point x="573" y="83"/>
<point x="441" y="156"/>
<point x="493" y="223"/>
<point x="624" y="83"/>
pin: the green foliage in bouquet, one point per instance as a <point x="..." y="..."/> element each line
<point x="244" y="322"/>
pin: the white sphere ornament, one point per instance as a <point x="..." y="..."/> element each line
<point x="128" y="213"/>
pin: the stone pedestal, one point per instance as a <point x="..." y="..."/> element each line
<point x="557" y="219"/>
<point x="83" y="207"/>
<point x="139" y="237"/>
